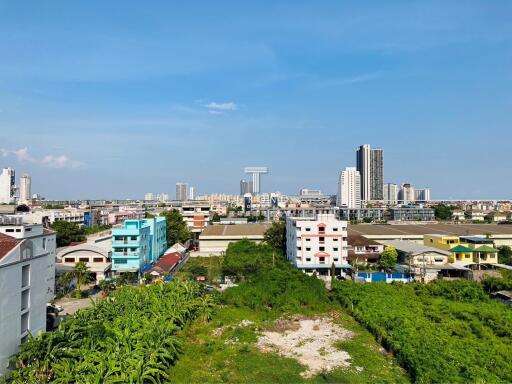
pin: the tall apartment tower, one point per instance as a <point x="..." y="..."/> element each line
<point x="192" y="193"/>
<point x="25" y="189"/>
<point x="422" y="195"/>
<point x="245" y="187"/>
<point x="349" y="188"/>
<point x="182" y="191"/>
<point x="407" y="194"/>
<point x="370" y="164"/>
<point x="7" y="186"/>
<point x="391" y="193"/>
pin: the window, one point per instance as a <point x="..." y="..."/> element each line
<point x="308" y="229"/>
<point x="98" y="259"/>
<point x="24" y="299"/>
<point x="133" y="238"/>
<point x="25" y="276"/>
<point x="18" y="229"/>
<point x="299" y="248"/>
<point x="24" y="323"/>
<point x="69" y="259"/>
<point x="335" y="259"/>
<point x="322" y="260"/>
<point x="121" y="261"/>
<point x="308" y="258"/>
<point x="335" y="249"/>
<point x="321" y="230"/>
<point x="118" y="238"/>
<point x="335" y="229"/>
<point x="84" y="259"/>
<point x="9" y="230"/>
<point x="28" y="229"/>
<point x="44" y="243"/>
<point x="321" y="248"/>
<point x="308" y="248"/>
<point x="133" y="249"/>
<point x="308" y="239"/>
<point x="335" y="239"/>
<point x="322" y="239"/>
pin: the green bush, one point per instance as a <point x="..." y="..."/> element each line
<point x="443" y="332"/>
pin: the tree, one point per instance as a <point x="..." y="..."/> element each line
<point x="107" y="286"/>
<point x="68" y="233"/>
<point x="261" y="217"/>
<point x="177" y="229"/>
<point x="388" y="258"/>
<point x="64" y="281"/>
<point x="505" y="255"/>
<point x="216" y="217"/>
<point x="81" y="274"/>
<point x="275" y="236"/>
<point x="443" y="212"/>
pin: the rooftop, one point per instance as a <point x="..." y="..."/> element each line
<point x="413" y="248"/>
<point x="235" y="230"/>
<point x="425" y="229"/>
<point x="7" y="244"/>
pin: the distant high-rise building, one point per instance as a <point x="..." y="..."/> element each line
<point x="407" y="194"/>
<point x="162" y="197"/>
<point x="25" y="189"/>
<point x="192" y="193"/>
<point x="391" y="193"/>
<point x="245" y="187"/>
<point x="149" y="197"/>
<point x="370" y="164"/>
<point x="310" y="192"/>
<point x="256" y="175"/>
<point x="422" y="195"/>
<point x="182" y="191"/>
<point x="349" y="188"/>
<point x="7" y="186"/>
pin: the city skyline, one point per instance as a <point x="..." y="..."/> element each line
<point x="85" y="110"/>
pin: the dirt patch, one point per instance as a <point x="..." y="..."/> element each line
<point x="308" y="340"/>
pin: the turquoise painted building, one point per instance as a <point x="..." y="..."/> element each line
<point x="138" y="244"/>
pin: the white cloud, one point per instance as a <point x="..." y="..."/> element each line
<point x="348" y="80"/>
<point x="50" y="161"/>
<point x="222" y="106"/>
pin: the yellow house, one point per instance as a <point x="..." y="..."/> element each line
<point x="485" y="255"/>
<point x="461" y="253"/>
<point x="444" y="242"/>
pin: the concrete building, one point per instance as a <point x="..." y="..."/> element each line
<point x="182" y="191"/>
<point x="370" y="164"/>
<point x="422" y="195"/>
<point x="138" y="243"/>
<point x="8" y="186"/>
<point x="412" y="214"/>
<point x="149" y="197"/>
<point x="361" y="214"/>
<point x="310" y="192"/>
<point x="192" y="193"/>
<point x="245" y="187"/>
<point x="407" y="194"/>
<point x="391" y="193"/>
<point x="349" y="188"/>
<point x="25" y="189"/>
<point x="196" y="215"/>
<point x="256" y="173"/>
<point x="215" y="239"/>
<point x="314" y="244"/>
<point x="363" y="251"/>
<point x="27" y="282"/>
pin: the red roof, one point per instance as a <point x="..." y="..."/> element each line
<point x="7" y="244"/>
<point x="166" y="263"/>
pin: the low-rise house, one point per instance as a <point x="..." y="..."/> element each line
<point x="215" y="239"/>
<point x="363" y="251"/>
<point x="166" y="264"/>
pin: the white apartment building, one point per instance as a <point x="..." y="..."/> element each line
<point x="422" y="195"/>
<point x="349" y="188"/>
<point x="50" y="216"/>
<point x="27" y="282"/>
<point x="197" y="216"/>
<point x="407" y="194"/>
<point x="7" y="186"/>
<point x="391" y="193"/>
<point x="25" y="189"/>
<point x="149" y="197"/>
<point x="182" y="191"/>
<point x="314" y="243"/>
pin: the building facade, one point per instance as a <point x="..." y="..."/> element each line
<point x="370" y="164"/>
<point x="7" y="186"/>
<point x="407" y="194"/>
<point x="390" y="192"/>
<point x="182" y="191"/>
<point x="422" y="195"/>
<point x="245" y="187"/>
<point x="349" y="188"/>
<point x="25" y="189"/>
<point x="314" y="244"/>
<point x="138" y="243"/>
<point x="412" y="214"/>
<point x="27" y="282"/>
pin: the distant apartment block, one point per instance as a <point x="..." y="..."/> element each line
<point x="245" y="187"/>
<point x="422" y="195"/>
<point x="407" y="194"/>
<point x="412" y="214"/>
<point x="25" y="189"/>
<point x="310" y="192"/>
<point x="314" y="243"/>
<point x="197" y="216"/>
<point x="138" y="243"/>
<point x="370" y="164"/>
<point x="182" y="191"/>
<point x="390" y="192"/>
<point x="349" y="188"/>
<point x="7" y="186"/>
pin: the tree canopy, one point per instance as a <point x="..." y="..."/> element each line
<point x="443" y="212"/>
<point x="505" y="255"/>
<point x="68" y="233"/>
<point x="177" y="229"/>
<point x="275" y="236"/>
<point x="388" y="258"/>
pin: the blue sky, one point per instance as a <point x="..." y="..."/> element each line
<point x="114" y="99"/>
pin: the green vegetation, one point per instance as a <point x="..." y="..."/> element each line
<point x="211" y="267"/>
<point x="440" y="332"/>
<point x="388" y="258"/>
<point x="444" y="212"/>
<point x="505" y="255"/>
<point x="96" y="229"/>
<point x="131" y="337"/>
<point x="53" y="206"/>
<point x="177" y="229"/>
<point x="275" y="236"/>
<point x="68" y="233"/>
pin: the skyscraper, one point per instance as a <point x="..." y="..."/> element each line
<point x="349" y="188"/>
<point x="7" y="186"/>
<point x="25" y="189"/>
<point x="191" y="193"/>
<point x="407" y="194"/>
<point x="422" y="195"/>
<point x="245" y="187"/>
<point x="181" y="191"/>
<point x="391" y="193"/>
<point x="256" y="173"/>
<point x="370" y="164"/>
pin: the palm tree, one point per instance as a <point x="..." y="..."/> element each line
<point x="81" y="273"/>
<point x="64" y="281"/>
